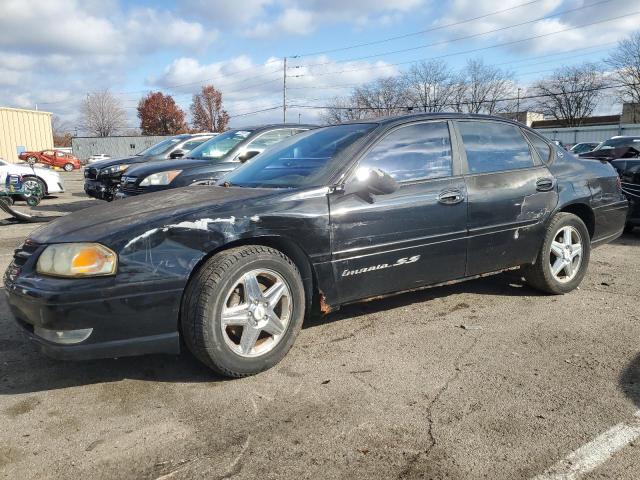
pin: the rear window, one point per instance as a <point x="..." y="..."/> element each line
<point x="494" y="147"/>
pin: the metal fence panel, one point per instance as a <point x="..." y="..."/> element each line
<point x="571" y="135"/>
<point x="115" y="147"/>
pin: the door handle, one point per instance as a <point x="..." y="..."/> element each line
<point x="450" y="197"/>
<point x="544" y="184"/>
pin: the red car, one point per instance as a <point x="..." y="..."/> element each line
<point x="55" y="158"/>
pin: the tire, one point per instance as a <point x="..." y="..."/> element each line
<point x="540" y="275"/>
<point x="628" y="228"/>
<point x="68" y="167"/>
<point x="209" y="294"/>
<point x="43" y="186"/>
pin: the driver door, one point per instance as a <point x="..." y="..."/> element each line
<point x="412" y="237"/>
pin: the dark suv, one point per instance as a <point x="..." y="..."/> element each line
<point x="103" y="178"/>
<point x="209" y="161"/>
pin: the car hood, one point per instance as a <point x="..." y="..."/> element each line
<point x="118" y="221"/>
<point x="142" y="171"/>
<point x="121" y="161"/>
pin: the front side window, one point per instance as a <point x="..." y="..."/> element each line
<point x="159" y="148"/>
<point x="414" y="152"/>
<point x="494" y="147"/>
<point x="191" y="144"/>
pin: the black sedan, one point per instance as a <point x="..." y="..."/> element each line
<point x="328" y="217"/>
<point x="208" y="162"/>
<point x="102" y="178"/>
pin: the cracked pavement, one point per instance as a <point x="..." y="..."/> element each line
<point x="393" y="388"/>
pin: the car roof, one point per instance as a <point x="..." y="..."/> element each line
<point x="397" y="119"/>
<point x="270" y="126"/>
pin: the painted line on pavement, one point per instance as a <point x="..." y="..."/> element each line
<point x="593" y="454"/>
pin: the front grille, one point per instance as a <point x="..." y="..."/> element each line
<point x="130" y="187"/>
<point x="91" y="173"/>
<point x="20" y="257"/>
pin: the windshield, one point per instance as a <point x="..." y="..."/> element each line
<point x="159" y="148"/>
<point x="219" y="146"/>
<point x="618" y="142"/>
<point x="305" y="160"/>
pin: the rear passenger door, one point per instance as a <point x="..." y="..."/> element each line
<point x="412" y="237"/>
<point x="511" y="194"/>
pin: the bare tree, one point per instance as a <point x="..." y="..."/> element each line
<point x="430" y="85"/>
<point x="382" y="97"/>
<point x="570" y="93"/>
<point x="102" y="114"/>
<point x="626" y="62"/>
<point x="61" y="132"/>
<point x="342" y="109"/>
<point x="481" y="88"/>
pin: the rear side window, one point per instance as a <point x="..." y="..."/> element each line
<point x="414" y="152"/>
<point x="542" y="147"/>
<point x="494" y="147"/>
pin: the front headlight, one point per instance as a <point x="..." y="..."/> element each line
<point x="77" y="260"/>
<point x="113" y="170"/>
<point x="160" y="178"/>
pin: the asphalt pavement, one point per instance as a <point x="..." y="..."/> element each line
<point x="485" y="379"/>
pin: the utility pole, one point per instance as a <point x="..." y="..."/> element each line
<point x="284" y="92"/>
<point x="518" y="105"/>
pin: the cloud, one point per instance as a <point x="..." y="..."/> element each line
<point x="570" y="38"/>
<point x="249" y="87"/>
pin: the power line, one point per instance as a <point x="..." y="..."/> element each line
<point x="495" y="100"/>
<point x="466" y="37"/>
<point x="407" y="35"/>
<point x="474" y="50"/>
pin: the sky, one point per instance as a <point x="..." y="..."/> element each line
<point x="54" y="52"/>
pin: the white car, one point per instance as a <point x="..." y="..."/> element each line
<point x="96" y="157"/>
<point x="49" y="179"/>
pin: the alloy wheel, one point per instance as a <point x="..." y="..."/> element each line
<point x="256" y="313"/>
<point x="566" y="254"/>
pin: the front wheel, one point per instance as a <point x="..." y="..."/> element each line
<point x="68" y="167"/>
<point x="243" y="309"/>
<point x="563" y="258"/>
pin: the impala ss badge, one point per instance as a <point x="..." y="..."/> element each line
<point x="399" y="262"/>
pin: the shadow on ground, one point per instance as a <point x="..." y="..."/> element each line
<point x="26" y="370"/>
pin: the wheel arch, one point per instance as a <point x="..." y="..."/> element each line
<point x="584" y="212"/>
<point x="287" y="246"/>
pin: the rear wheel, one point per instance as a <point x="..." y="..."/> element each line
<point x="563" y="258"/>
<point x="68" y="167"/>
<point x="628" y="228"/>
<point x="33" y="186"/>
<point x="243" y="310"/>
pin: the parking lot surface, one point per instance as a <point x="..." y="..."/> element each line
<point x="485" y="379"/>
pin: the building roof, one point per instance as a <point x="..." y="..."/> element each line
<point x="584" y="122"/>
<point x="25" y="110"/>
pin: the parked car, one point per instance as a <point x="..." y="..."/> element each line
<point x="102" y="178"/>
<point x="96" y="157"/>
<point x="54" y="158"/>
<point x="583" y="147"/>
<point x="624" y="155"/>
<point x="48" y="180"/>
<point x="209" y="161"/>
<point x="327" y="217"/>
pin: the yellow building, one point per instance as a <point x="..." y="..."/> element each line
<point x="23" y="130"/>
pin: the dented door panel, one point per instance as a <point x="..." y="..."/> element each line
<point x="507" y="217"/>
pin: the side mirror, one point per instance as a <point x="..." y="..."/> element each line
<point x="177" y="154"/>
<point x="372" y="181"/>
<point x="243" y="157"/>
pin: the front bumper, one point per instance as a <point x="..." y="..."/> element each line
<point x="122" y="320"/>
<point x="98" y="189"/>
